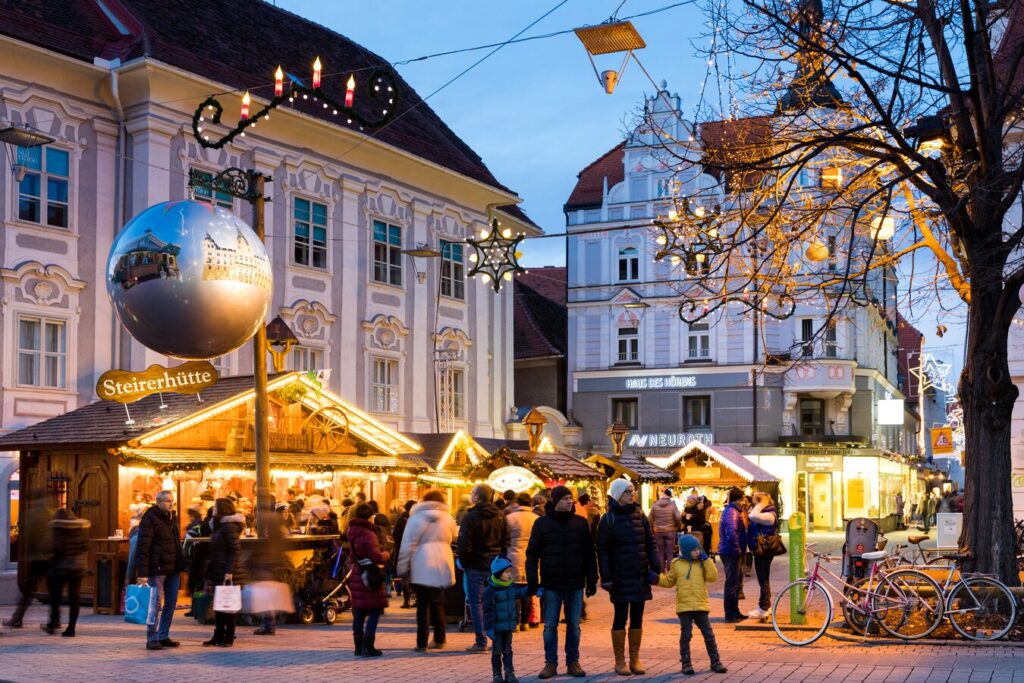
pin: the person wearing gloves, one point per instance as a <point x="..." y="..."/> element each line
<point x="627" y="557"/>
<point x="665" y="520"/>
<point x="501" y="617"/>
<point x="732" y="544"/>
<point x="690" y="573"/>
<point x="764" y="521"/>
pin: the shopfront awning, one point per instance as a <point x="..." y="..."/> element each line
<point x="730" y="459"/>
<point x="189" y="459"/>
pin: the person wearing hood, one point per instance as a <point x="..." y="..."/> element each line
<point x="368" y="602"/>
<point x="690" y="573"/>
<point x="520" y="519"/>
<point x="732" y="544"/>
<point x="764" y="521"/>
<point x="665" y="520"/>
<point x="626" y="557"/>
<point x="225" y="564"/>
<point x="425" y="559"/>
<point x="501" y="594"/>
<point x="483" y="535"/>
<point x="68" y="566"/>
<point x="562" y="549"/>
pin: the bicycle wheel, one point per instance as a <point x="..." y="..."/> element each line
<point x="981" y="609"/>
<point x="857" y="619"/>
<point x="908" y="604"/>
<point x="801" y="612"/>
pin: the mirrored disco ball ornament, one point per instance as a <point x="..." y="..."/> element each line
<point x="189" y="280"/>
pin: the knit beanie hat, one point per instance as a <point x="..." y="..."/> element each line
<point x="498" y="565"/>
<point x="687" y="544"/>
<point x="617" y="488"/>
<point x="558" y="493"/>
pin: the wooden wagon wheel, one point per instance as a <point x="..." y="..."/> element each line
<point x="327" y="429"/>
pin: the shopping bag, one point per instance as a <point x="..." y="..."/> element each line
<point x="202" y="604"/>
<point x="262" y="597"/>
<point x="227" y="598"/>
<point x="140" y="605"/>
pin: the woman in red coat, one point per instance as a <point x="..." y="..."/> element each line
<point x="368" y="603"/>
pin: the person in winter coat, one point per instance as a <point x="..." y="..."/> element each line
<point x="520" y="519"/>
<point x="732" y="544"/>
<point x="483" y="535"/>
<point x="627" y="557"/>
<point x="400" y="523"/>
<point x="225" y="564"/>
<point x="501" y="595"/>
<point x="690" y="573"/>
<point x="68" y="566"/>
<point x="764" y="521"/>
<point x="36" y="538"/>
<point x="159" y="561"/>
<point x="425" y="559"/>
<point x="695" y="520"/>
<point x="562" y="549"/>
<point x="665" y="521"/>
<point x="368" y="602"/>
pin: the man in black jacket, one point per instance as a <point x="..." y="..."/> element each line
<point x="483" y="535"/>
<point x="563" y="547"/>
<point x="159" y="561"/>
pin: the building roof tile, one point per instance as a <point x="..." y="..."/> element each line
<point x="540" y="322"/>
<point x="589" y="190"/>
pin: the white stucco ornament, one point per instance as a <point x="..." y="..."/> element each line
<point x="189" y="280"/>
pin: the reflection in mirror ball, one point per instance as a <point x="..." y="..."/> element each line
<point x="189" y="280"/>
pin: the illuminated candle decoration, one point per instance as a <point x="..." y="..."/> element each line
<point x="245" y="105"/>
<point x="278" y="82"/>
<point x="350" y="90"/>
<point x="316" y="73"/>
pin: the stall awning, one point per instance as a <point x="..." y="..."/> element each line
<point x="729" y="458"/>
<point x="187" y="459"/>
<point x="546" y="466"/>
<point x="635" y="467"/>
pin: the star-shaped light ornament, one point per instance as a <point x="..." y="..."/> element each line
<point x="932" y="373"/>
<point x="495" y="256"/>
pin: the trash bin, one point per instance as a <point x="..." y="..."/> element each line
<point x="109" y="582"/>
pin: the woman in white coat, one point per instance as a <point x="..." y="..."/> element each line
<point x="520" y="518"/>
<point x="426" y="557"/>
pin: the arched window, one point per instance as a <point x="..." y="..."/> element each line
<point x="629" y="264"/>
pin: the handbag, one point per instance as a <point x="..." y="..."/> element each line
<point x="769" y="545"/>
<point x="371" y="573"/>
<point x="227" y="598"/>
<point x="140" y="605"/>
<point x="262" y="597"/>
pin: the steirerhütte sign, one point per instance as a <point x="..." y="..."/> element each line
<point x="126" y="387"/>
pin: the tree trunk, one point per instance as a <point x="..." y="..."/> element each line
<point x="987" y="395"/>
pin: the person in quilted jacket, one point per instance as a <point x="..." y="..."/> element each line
<point x="501" y="617"/>
<point x="368" y="601"/>
<point x="690" y="573"/>
<point x="732" y="545"/>
<point x="225" y="564"/>
<point x="69" y="565"/>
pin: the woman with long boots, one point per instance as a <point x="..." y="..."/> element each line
<point x="69" y="565"/>
<point x="626" y="558"/>
<point x="368" y="602"/>
<point x="225" y="564"/>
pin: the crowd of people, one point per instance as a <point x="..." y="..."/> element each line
<point x="524" y="561"/>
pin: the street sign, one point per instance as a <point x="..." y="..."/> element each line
<point x="942" y="440"/>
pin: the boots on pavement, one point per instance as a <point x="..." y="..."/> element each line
<point x="635" y="637"/>
<point x="619" y="649"/>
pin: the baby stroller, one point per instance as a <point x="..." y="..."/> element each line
<point x="326" y="592"/>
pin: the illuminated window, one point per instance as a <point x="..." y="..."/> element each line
<point x="454" y="394"/>
<point x="832" y="177"/>
<point x="43" y="189"/>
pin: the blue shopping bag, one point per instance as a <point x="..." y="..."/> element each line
<point x="140" y="605"/>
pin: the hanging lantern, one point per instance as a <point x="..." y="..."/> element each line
<point x="816" y="251"/>
<point x="612" y="36"/>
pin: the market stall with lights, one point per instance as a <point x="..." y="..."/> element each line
<point x="650" y="477"/>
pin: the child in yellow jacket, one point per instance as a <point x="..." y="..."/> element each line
<point x="690" y="573"/>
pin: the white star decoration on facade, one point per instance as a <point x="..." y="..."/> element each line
<point x="932" y="373"/>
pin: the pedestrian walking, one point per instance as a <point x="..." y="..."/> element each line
<point x="37" y="537"/>
<point x="520" y="519"/>
<point x="400" y="524"/>
<point x="225" y="564"/>
<point x="900" y="508"/>
<point x="368" y="600"/>
<point x="561" y="567"/>
<point x="626" y="558"/>
<point x="425" y="558"/>
<point x="483" y="535"/>
<point x="732" y="544"/>
<point x="159" y="562"/>
<point x="665" y="521"/>
<point x="68" y="566"/>
<point x="690" y="573"/>
<point x="764" y="521"/>
<point x="501" y="595"/>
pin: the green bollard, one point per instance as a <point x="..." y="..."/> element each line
<point x="797" y="566"/>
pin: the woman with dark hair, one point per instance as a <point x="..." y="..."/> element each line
<point x="69" y="565"/>
<point x="225" y="564"/>
<point x="368" y="602"/>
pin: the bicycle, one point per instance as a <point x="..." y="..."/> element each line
<point x="920" y="556"/>
<point x="896" y="600"/>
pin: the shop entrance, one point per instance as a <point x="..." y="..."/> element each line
<point x="816" y="498"/>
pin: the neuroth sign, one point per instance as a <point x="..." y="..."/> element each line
<point x="124" y="386"/>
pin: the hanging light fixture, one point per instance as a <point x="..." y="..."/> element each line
<point x="609" y="37"/>
<point x="495" y="256"/>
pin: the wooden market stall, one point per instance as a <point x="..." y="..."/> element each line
<point x="544" y="469"/>
<point x="651" y="478"/>
<point x="102" y="458"/>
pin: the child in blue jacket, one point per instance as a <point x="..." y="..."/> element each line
<point x="501" y="618"/>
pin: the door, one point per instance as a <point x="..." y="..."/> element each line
<point x="820" y="495"/>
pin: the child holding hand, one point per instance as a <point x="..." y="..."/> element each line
<point x="690" y="573"/>
<point x="501" y="618"/>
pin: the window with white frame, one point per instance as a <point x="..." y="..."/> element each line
<point x="698" y="341"/>
<point x="42" y="352"/>
<point x="831" y="341"/>
<point x="385" y="385"/>
<point x="453" y="278"/>
<point x="222" y="364"/>
<point x="696" y="412"/>
<point x="387" y="253"/>
<point x="305" y="358"/>
<point x="310" y="237"/>
<point x="807" y="337"/>
<point x="203" y="191"/>
<point x="43" y="186"/>
<point x="629" y="264"/>
<point x="454" y="394"/>
<point x="629" y="344"/>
